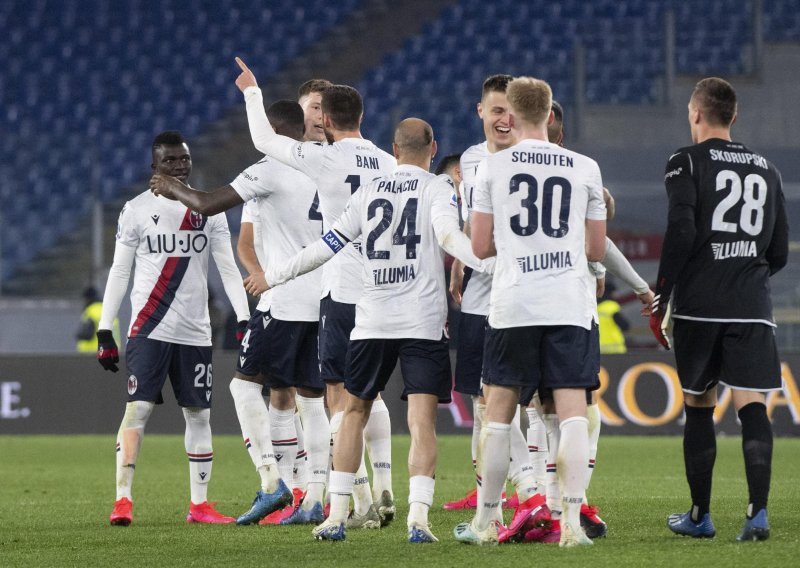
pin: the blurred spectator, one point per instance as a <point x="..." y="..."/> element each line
<point x="613" y="324"/>
<point x="90" y="319"/>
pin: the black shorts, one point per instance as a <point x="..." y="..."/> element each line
<point x="150" y="361"/>
<point x="283" y="352"/>
<point x="469" y="357"/>
<point x="425" y="366"/>
<point x="547" y="394"/>
<point x="336" y="321"/>
<point x="538" y="357"/>
<point x="740" y="355"/>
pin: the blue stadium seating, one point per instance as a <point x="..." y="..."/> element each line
<point x="623" y="44"/>
<point x="87" y="83"/>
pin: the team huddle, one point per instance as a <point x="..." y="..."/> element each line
<point x="345" y="246"/>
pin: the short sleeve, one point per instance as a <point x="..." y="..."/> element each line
<point x="596" y="209"/>
<point x="250" y="211"/>
<point x="253" y="182"/>
<point x="482" y="198"/>
<point x="444" y="201"/>
<point x="127" y="228"/>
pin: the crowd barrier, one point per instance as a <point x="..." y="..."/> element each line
<point x="71" y="394"/>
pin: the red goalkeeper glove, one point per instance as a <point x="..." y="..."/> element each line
<point x="659" y="321"/>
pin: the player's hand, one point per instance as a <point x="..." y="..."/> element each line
<point x="107" y="352"/>
<point x="246" y="77"/>
<point x="456" y="281"/>
<point x="241" y="329"/>
<point x="600" y="287"/>
<point x="659" y="321"/>
<point x="165" y="186"/>
<point x="646" y="298"/>
<point x="256" y="284"/>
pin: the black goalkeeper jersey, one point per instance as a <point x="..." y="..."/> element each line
<point x="727" y="233"/>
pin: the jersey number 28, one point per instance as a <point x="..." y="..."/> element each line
<point x="753" y="193"/>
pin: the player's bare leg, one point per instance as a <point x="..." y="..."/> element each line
<point x="421" y="465"/>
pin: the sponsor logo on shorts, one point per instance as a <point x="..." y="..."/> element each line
<point x="208" y="395"/>
<point x="133" y="384"/>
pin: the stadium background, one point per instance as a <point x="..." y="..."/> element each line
<point x="86" y="84"/>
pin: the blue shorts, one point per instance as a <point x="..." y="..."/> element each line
<point x="150" y="361"/>
<point x="555" y="357"/>
<point x="425" y="366"/>
<point x="284" y="353"/>
<point x="469" y="357"/>
<point x="336" y="321"/>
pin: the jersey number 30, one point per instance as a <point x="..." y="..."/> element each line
<point x="754" y="196"/>
<point x="527" y="181"/>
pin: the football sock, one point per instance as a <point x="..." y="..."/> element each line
<point x="420" y="499"/>
<point x="520" y="471"/>
<point x="537" y="447"/>
<point x="317" y="439"/>
<point x="340" y="487"/>
<point x="699" y="455"/>
<point x="478" y="410"/>
<point x="284" y="440"/>
<point x="495" y="454"/>
<point x="573" y="454"/>
<point x="378" y="441"/>
<point x="129" y="442"/>
<point x="553" y="490"/>
<point x="362" y="497"/>
<point x="300" y="470"/>
<point x="336" y="422"/>
<point x="254" y="422"/>
<point x="757" y="449"/>
<point x="593" y="415"/>
<point x="197" y="442"/>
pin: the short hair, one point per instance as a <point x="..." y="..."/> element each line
<point x="717" y="99"/>
<point x="287" y="114"/>
<point x="168" y="138"/>
<point x="495" y="83"/>
<point x="313" y="86"/>
<point x="449" y="161"/>
<point x="413" y="135"/>
<point x="558" y="111"/>
<point x="531" y="99"/>
<point x="344" y="106"/>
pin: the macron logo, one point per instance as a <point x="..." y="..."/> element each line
<point x="332" y="240"/>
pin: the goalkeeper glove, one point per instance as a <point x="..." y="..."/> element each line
<point x="241" y="329"/>
<point x="107" y="352"/>
<point x="659" y="321"/>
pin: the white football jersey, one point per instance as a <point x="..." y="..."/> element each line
<point x="169" y="299"/>
<point x="475" y="299"/>
<point x="285" y="201"/>
<point x="339" y="169"/>
<point x="541" y="196"/>
<point x="403" y="269"/>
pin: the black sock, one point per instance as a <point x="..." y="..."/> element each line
<point x="757" y="449"/>
<point x="699" y="455"/>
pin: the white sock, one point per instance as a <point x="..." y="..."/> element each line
<point x="254" y="422"/>
<point x="336" y="422"/>
<point x="129" y="442"/>
<point x="362" y="496"/>
<point x="284" y="440"/>
<point x="495" y="454"/>
<point x="537" y="446"/>
<point x="340" y="488"/>
<point x="572" y="457"/>
<point x="520" y="471"/>
<point x="197" y="441"/>
<point x="317" y="439"/>
<point x="593" y="415"/>
<point x="420" y="499"/>
<point x="478" y="411"/>
<point x="553" y="491"/>
<point x="300" y="470"/>
<point x="378" y="441"/>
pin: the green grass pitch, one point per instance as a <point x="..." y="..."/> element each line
<point x="56" y="494"/>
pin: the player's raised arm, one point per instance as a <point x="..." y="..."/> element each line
<point x="205" y="202"/>
<point x="265" y="139"/>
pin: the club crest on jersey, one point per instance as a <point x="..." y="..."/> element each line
<point x="193" y="221"/>
<point x="133" y="384"/>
